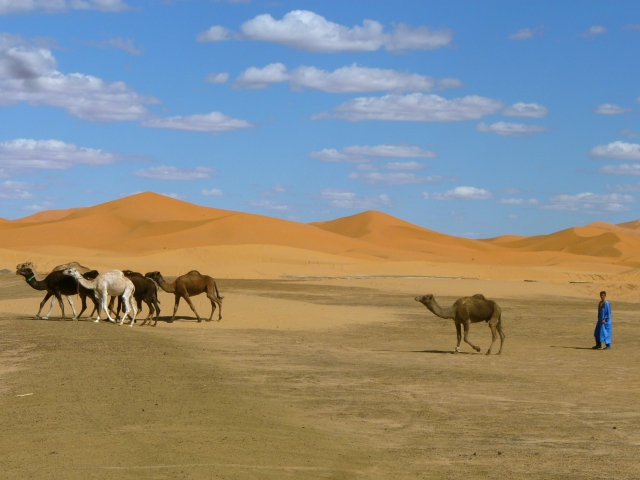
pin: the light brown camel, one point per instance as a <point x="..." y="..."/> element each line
<point x="468" y="310"/>
<point x="112" y="283"/>
<point x="190" y="284"/>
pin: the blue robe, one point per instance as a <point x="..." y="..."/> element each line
<point x="603" y="330"/>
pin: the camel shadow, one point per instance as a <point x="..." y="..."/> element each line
<point x="450" y="352"/>
<point x="572" y="348"/>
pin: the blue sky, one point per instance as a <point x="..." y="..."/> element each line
<point x="471" y="118"/>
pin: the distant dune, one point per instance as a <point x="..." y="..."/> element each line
<point x="152" y="224"/>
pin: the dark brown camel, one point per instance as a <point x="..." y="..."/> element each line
<point x="145" y="291"/>
<point x="56" y="284"/>
<point x="76" y="265"/>
<point x="468" y="310"/>
<point x="190" y="284"/>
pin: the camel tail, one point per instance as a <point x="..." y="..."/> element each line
<point x="215" y="285"/>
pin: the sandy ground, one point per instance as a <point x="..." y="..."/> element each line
<point x="322" y="379"/>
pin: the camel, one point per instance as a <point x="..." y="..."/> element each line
<point x="468" y="310"/>
<point x="187" y="285"/>
<point x="56" y="284"/>
<point x="112" y="283"/>
<point x="145" y="290"/>
<point x="80" y="268"/>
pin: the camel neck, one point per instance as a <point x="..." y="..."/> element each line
<point x="439" y="311"/>
<point x="167" y="287"/>
<point x="34" y="283"/>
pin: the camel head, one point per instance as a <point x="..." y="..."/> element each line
<point x="91" y="274"/>
<point x="131" y="273"/>
<point x="424" y="299"/>
<point x="25" y="269"/>
<point x="72" y="272"/>
<point x="155" y="276"/>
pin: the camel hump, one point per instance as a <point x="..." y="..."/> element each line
<point x="193" y="272"/>
<point x="479" y="295"/>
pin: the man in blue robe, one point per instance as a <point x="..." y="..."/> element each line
<point x="602" y="332"/>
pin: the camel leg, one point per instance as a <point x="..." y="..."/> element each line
<point x="466" y="336"/>
<point x="188" y="300"/>
<point x="494" y="335"/>
<point x="215" y="301"/>
<point x="132" y="301"/>
<point x="157" y="311"/>
<point x="175" y="309"/>
<point x="75" y="315"/>
<point x="84" y="304"/>
<point x="59" y="298"/>
<point x="459" y="332"/>
<point x="502" y="335"/>
<point x="53" y="302"/>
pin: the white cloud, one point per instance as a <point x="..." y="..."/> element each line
<point x="634" y="187"/>
<point x="254" y="77"/>
<point x="526" y="33"/>
<point x="165" y="172"/>
<point x="518" y="201"/>
<point x="346" y="199"/>
<point x="618" y="149"/>
<point x="510" y="129"/>
<point x="214" y="192"/>
<point x="416" y="107"/>
<point x="460" y="193"/>
<point x="593" y="31"/>
<point x="269" y="205"/>
<point x="56" y="6"/>
<point x="15" y="190"/>
<point x="405" y="166"/>
<point x="217" y="33"/>
<point x="125" y="44"/>
<point x="622" y="169"/>
<point x="26" y="154"/>
<point x="305" y="30"/>
<point x="632" y="26"/>
<point x="210" y="122"/>
<point x="628" y="133"/>
<point x="610" y="109"/>
<point x="216" y="78"/>
<point x="28" y="74"/>
<point x="613" y="202"/>
<point x="38" y="207"/>
<point x="398" y="178"/>
<point x="365" y="153"/>
<point x="348" y="79"/>
<point x="528" y="110"/>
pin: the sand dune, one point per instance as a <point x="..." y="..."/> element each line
<point x="148" y="231"/>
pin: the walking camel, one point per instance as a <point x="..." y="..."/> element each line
<point x="145" y="290"/>
<point x="85" y="271"/>
<point x="187" y="285"/>
<point x="468" y="310"/>
<point x="56" y="284"/>
<point x="112" y="283"/>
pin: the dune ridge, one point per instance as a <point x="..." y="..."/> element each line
<point x="149" y="225"/>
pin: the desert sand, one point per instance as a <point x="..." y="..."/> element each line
<point x="323" y="365"/>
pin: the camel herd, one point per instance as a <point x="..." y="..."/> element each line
<point x="130" y="288"/>
<point x="133" y="288"/>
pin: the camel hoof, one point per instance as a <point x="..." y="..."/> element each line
<point x="488" y="353"/>
<point x="199" y="320"/>
<point x="477" y="349"/>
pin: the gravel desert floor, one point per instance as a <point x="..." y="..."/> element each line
<point x="319" y="379"/>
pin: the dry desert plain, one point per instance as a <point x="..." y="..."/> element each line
<point x="323" y="365"/>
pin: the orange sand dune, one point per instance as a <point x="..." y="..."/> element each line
<point x="150" y="222"/>
<point x="178" y="234"/>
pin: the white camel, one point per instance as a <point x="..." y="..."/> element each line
<point x="112" y="283"/>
